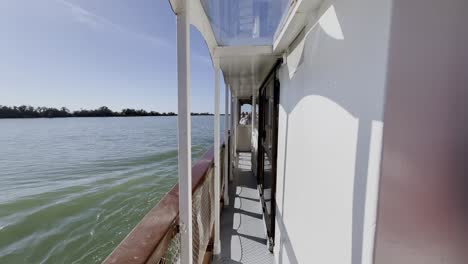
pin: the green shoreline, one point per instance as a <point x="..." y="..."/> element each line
<point x="7" y="112"/>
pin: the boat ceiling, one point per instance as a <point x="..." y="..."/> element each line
<point x="240" y="35"/>
<point x="244" y="22"/>
<point x="245" y="67"/>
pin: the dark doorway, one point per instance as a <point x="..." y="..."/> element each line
<point x="267" y="148"/>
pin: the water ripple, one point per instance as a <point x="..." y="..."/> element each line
<point x="72" y="189"/>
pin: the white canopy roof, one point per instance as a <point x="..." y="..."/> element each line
<point x="244" y="22"/>
<point x="240" y="35"/>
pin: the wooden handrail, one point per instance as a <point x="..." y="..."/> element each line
<point x="157" y="226"/>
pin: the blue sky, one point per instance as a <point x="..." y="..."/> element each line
<point x="89" y="53"/>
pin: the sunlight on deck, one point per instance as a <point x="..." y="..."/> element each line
<point x="243" y="236"/>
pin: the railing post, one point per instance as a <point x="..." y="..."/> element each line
<point x="217" y="247"/>
<point x="184" y="132"/>
<point x="226" y="151"/>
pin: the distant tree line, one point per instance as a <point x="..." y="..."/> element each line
<point x="50" y="112"/>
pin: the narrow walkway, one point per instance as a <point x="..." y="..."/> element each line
<point x="243" y="237"/>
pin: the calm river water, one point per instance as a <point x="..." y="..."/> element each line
<point x="71" y="189"/>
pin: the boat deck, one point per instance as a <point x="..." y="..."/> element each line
<point x="243" y="234"/>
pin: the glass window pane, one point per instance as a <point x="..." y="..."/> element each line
<point x="245" y="22"/>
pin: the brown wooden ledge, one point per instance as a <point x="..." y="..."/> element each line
<point x="154" y="231"/>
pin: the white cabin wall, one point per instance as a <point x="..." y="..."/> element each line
<point x="330" y="135"/>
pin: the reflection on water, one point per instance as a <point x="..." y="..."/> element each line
<point x="72" y="189"/>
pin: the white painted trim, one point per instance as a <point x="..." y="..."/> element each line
<point x="235" y="51"/>
<point x="254" y="111"/>
<point x="184" y="132"/>
<point x="217" y="242"/>
<point x="226" y="150"/>
<point x="253" y="134"/>
<point x="299" y="16"/>
<point x="199" y="20"/>
<point x="291" y="13"/>
<point x="231" y="144"/>
<point x="236" y="121"/>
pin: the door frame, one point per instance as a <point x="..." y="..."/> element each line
<point x="269" y="218"/>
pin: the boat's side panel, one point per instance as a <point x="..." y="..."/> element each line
<point x="423" y="209"/>
<point x="329" y="135"/>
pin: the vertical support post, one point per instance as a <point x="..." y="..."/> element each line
<point x="226" y="128"/>
<point x="236" y="122"/>
<point x="254" y="110"/>
<point x="217" y="247"/>
<point x="184" y="131"/>
<point x="232" y="137"/>
<point x="254" y="136"/>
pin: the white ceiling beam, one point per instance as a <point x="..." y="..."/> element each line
<point x="200" y="21"/>
<point x="236" y="51"/>
<point x="298" y="17"/>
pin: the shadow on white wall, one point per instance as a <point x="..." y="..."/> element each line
<point x="331" y="120"/>
<point x="329" y="24"/>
